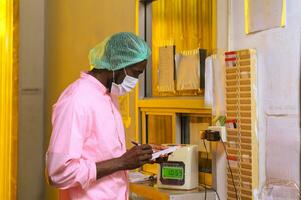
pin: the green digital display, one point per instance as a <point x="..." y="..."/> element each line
<point x="175" y="173"/>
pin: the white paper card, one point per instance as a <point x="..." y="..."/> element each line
<point x="163" y="152"/>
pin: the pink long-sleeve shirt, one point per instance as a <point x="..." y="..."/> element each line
<point x="87" y="128"/>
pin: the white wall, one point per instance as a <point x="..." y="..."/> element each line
<point x="31" y="115"/>
<point x="278" y="53"/>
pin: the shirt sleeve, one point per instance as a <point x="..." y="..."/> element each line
<point x="65" y="165"/>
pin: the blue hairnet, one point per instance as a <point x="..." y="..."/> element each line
<point x="119" y="51"/>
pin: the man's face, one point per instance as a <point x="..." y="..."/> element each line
<point x="133" y="70"/>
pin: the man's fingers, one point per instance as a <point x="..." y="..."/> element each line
<point x="149" y="151"/>
<point x="145" y="146"/>
<point x="145" y="157"/>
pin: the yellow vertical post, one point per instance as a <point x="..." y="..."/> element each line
<point x="214" y="27"/>
<point x="143" y="127"/>
<point x="283" y="16"/>
<point x="247" y="17"/>
<point x="137" y="87"/>
<point x="8" y="98"/>
<point x="174" y="128"/>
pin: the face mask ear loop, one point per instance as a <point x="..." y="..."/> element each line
<point x="125" y="71"/>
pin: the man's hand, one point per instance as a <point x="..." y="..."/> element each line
<point x="158" y="147"/>
<point x="162" y="158"/>
<point x="136" y="156"/>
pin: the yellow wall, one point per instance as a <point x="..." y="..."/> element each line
<point x="72" y="28"/>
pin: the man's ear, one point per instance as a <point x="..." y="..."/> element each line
<point x="119" y="76"/>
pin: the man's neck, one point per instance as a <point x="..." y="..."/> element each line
<point x="102" y="76"/>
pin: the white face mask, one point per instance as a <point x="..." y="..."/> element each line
<point x="127" y="85"/>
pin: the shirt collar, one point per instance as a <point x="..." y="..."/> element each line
<point x="94" y="81"/>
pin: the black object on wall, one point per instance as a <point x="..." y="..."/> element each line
<point x="203" y="54"/>
<point x="145" y="3"/>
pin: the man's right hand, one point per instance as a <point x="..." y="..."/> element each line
<point x="136" y="156"/>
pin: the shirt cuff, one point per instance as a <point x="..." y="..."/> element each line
<point x="92" y="174"/>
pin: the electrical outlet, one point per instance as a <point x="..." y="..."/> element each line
<point x="222" y="131"/>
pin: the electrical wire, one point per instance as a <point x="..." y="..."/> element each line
<point x="204" y="175"/>
<point x="216" y="193"/>
<point x="230" y="169"/>
<point x="205" y="167"/>
<point x="214" y="190"/>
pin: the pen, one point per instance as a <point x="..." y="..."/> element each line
<point x="135" y="143"/>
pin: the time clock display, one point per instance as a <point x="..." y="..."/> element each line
<point x="172" y="173"/>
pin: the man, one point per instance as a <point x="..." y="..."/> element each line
<point x="87" y="157"/>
